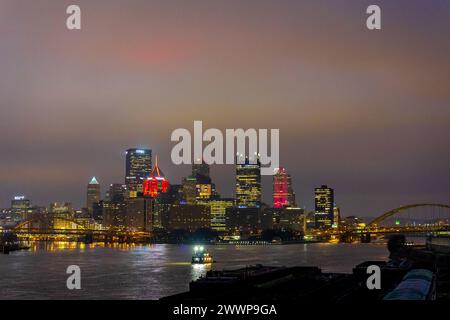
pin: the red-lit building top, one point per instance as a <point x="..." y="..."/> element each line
<point x="156" y="183"/>
<point x="282" y="190"/>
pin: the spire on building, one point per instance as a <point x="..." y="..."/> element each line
<point x="93" y="181"/>
<point x="156" y="183"/>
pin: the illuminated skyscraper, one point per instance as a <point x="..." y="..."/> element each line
<point x="248" y="184"/>
<point x="156" y="183"/>
<point x="138" y="168"/>
<point x="93" y="194"/>
<point x="324" y="204"/>
<point x="283" y="195"/>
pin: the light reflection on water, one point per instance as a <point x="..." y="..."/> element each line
<point x="120" y="271"/>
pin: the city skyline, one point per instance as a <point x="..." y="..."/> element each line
<point x="97" y="191"/>
<point x="226" y="158"/>
<point x="364" y="112"/>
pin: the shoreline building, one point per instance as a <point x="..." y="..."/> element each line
<point x="289" y="218"/>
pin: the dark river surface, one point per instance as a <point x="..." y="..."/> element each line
<point x="155" y="271"/>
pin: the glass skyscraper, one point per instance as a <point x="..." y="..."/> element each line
<point x="138" y="168"/>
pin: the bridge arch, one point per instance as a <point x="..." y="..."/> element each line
<point x="392" y="212"/>
<point x="21" y="225"/>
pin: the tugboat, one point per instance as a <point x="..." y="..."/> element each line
<point x="200" y="256"/>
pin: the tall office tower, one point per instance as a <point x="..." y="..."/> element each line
<point x="19" y="208"/>
<point x="201" y="169"/>
<point x="248" y="184"/>
<point x="283" y="195"/>
<point x="93" y="194"/>
<point x="138" y="168"/>
<point x="324" y="204"/>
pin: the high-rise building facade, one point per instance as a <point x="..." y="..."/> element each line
<point x="283" y="194"/>
<point x="198" y="187"/>
<point x="139" y="214"/>
<point x="187" y="217"/>
<point x="138" y="166"/>
<point x="248" y="184"/>
<point x="324" y="205"/>
<point x="218" y="209"/>
<point x="156" y="183"/>
<point x="117" y="192"/>
<point x="189" y="189"/>
<point x="242" y="221"/>
<point x="93" y="194"/>
<point x="114" y="214"/>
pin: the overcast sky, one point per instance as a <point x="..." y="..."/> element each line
<point x="366" y="112"/>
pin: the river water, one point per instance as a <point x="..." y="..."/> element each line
<point x="155" y="271"/>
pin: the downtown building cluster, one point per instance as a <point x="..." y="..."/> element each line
<point x="148" y="201"/>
